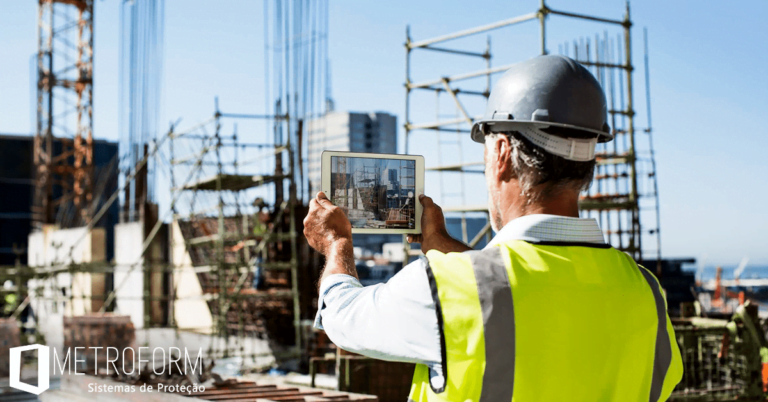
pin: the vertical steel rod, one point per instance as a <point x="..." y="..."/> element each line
<point x="653" y="155"/>
<point x="542" y="20"/>
<point x="636" y="241"/>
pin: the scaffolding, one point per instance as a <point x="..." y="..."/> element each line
<point x="614" y="198"/>
<point x="63" y="148"/>
<point x="244" y="251"/>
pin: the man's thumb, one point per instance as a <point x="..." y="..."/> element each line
<point x="323" y="200"/>
<point x="425" y="201"/>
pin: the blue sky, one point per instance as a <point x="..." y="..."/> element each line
<point x="708" y="87"/>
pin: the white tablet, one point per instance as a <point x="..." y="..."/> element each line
<point x="378" y="192"/>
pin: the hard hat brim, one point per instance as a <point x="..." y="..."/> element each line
<point x="509" y="125"/>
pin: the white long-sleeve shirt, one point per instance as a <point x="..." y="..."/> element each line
<point x="397" y="320"/>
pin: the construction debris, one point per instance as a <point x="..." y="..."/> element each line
<point x="100" y="331"/>
<point x="389" y="381"/>
<point x="246" y="390"/>
<point x="9" y="338"/>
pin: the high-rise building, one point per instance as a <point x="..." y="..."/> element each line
<point x="348" y="131"/>
<point x="393" y="177"/>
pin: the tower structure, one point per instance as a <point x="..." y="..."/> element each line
<point x="63" y="149"/>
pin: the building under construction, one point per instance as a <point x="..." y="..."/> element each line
<point x="375" y="193"/>
<point x="223" y="265"/>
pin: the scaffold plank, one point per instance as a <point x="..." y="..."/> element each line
<point x="233" y="182"/>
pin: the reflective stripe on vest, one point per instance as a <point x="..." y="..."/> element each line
<point x="498" y="324"/>
<point x="588" y="329"/>
<point x="663" y="356"/>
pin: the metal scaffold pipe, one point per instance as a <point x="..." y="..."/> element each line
<point x="461" y="77"/>
<point x="473" y="31"/>
<point x="587" y="17"/>
<point x="542" y="14"/>
<point x="636" y="245"/>
<point x="650" y="141"/>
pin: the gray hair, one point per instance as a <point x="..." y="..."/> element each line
<point x="532" y="166"/>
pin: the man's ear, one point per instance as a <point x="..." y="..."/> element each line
<point x="502" y="155"/>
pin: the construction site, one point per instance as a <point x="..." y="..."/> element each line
<point x="375" y="193"/>
<point x="191" y="235"/>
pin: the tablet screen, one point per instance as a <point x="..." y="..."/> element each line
<point x="375" y="193"/>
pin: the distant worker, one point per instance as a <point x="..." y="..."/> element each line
<point x="261" y="217"/>
<point x="10" y="299"/>
<point x="547" y="311"/>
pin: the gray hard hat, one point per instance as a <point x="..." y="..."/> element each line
<point x="546" y="91"/>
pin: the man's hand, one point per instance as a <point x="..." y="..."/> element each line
<point x="434" y="235"/>
<point x="326" y="225"/>
<point x="329" y="232"/>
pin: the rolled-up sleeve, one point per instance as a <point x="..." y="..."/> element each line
<point x="390" y="321"/>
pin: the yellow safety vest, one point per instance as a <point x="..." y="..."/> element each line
<point x="10" y="303"/>
<point x="549" y="322"/>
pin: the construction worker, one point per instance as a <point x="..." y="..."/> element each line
<point x="10" y="299"/>
<point x="547" y="311"/>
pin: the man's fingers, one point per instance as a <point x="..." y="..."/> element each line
<point x="425" y="201"/>
<point x="428" y="204"/>
<point x="323" y="201"/>
<point x="414" y="238"/>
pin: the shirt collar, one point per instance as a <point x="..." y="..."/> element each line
<point x="544" y="228"/>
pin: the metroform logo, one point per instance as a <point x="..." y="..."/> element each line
<point x="43" y="380"/>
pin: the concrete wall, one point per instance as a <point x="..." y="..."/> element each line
<point x="55" y="246"/>
<point x="190" y="310"/>
<point x="129" y="273"/>
<point x="65" y="293"/>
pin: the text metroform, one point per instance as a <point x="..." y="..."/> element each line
<point x="75" y="358"/>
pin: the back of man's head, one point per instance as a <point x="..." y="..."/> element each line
<point x="541" y="174"/>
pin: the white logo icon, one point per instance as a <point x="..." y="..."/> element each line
<point x="43" y="362"/>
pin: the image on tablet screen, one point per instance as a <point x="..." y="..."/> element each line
<point x="375" y="193"/>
